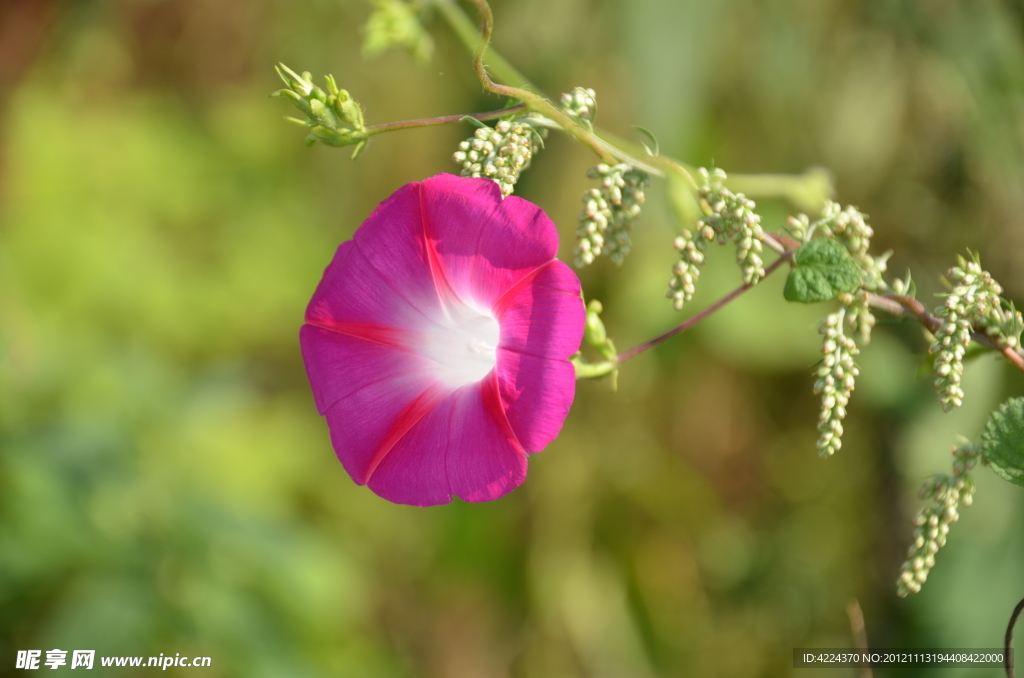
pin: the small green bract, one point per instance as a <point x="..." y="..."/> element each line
<point x="822" y="270"/>
<point x="1003" y="441"/>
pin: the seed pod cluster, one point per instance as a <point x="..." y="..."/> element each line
<point x="500" y="153"/>
<point x="581" y="105"/>
<point x="609" y="212"/>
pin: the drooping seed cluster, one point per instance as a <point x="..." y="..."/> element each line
<point x="728" y="216"/>
<point x="950" y="344"/>
<point x="686" y="271"/>
<point x="581" y="105"/>
<point x="931" y="526"/>
<point x="609" y="212"/>
<point x="500" y="153"/>
<point x="973" y="302"/>
<point x="836" y="378"/>
<point x="858" y="313"/>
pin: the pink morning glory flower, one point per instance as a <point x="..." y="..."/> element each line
<point x="437" y="342"/>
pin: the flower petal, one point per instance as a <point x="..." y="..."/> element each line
<point x="371" y="394"/>
<point x="339" y="364"/>
<point x="463" y="447"/>
<point x="393" y="243"/>
<point x="485" y="461"/>
<point x="413" y="471"/>
<point x="536" y="394"/>
<point x="367" y="425"/>
<point x="484" y="244"/>
<point x="354" y="298"/>
<point x="544" y="314"/>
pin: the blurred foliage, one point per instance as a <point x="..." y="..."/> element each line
<point x="167" y="486"/>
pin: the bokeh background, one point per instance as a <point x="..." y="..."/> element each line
<point x="167" y="486"/>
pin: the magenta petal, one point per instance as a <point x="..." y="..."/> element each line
<point x="485" y="461"/>
<point x="367" y="425"/>
<point x="484" y="244"/>
<point x="354" y="298"/>
<point x="413" y="471"/>
<point x="339" y="364"/>
<point x="392" y="241"/>
<point x="544" y="315"/>
<point x="371" y="394"/>
<point x="464" y="447"/>
<point x="536" y="393"/>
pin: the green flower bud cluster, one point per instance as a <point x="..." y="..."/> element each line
<point x="973" y="302"/>
<point x="931" y="526"/>
<point x="950" y="344"/>
<point x="858" y="313"/>
<point x="727" y="216"/>
<point x="849" y="227"/>
<point x="500" y="153"/>
<point x="333" y="117"/>
<point x="581" y="105"/>
<point x="686" y="271"/>
<point x="609" y="212"/>
<point x="836" y="377"/>
<point x="995" y="316"/>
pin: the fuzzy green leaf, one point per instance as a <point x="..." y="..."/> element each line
<point x="822" y="270"/>
<point x="1003" y="441"/>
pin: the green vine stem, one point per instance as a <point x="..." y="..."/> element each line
<point x="808" y="191"/>
<point x="533" y="101"/>
<point x="607" y="151"/>
<point x="469" y="34"/>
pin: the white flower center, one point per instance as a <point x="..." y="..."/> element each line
<point x="465" y="347"/>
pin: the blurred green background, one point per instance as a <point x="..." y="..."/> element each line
<point x="166" y="484"/>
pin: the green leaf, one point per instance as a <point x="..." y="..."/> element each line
<point x="473" y="121"/>
<point x="1002" y="442"/>
<point x="822" y="270"/>
<point x="650" y="135"/>
<point x="360" y="147"/>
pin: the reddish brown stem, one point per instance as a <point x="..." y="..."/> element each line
<point x="690" y="322"/>
<point x="907" y="306"/>
<point x="917" y="309"/>
<point x="1013" y="356"/>
<point x="896" y="304"/>
<point x="443" y="120"/>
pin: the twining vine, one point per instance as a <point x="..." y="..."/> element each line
<point x="828" y="253"/>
